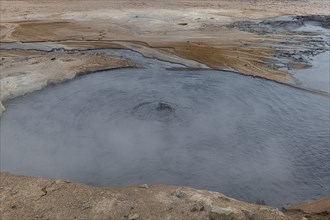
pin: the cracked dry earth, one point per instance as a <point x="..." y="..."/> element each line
<point x="35" y="198"/>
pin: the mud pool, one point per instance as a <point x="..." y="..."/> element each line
<point x="248" y="138"/>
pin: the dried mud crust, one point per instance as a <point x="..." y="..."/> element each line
<point x="34" y="198"/>
<point x="270" y="49"/>
<point x="246" y="60"/>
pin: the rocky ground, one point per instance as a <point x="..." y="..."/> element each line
<point x="32" y="198"/>
<point x="240" y="35"/>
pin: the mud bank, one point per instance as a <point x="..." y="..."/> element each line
<point x="24" y="71"/>
<point x="32" y="198"/>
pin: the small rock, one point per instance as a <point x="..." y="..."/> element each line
<point x="251" y="215"/>
<point x="85" y="206"/>
<point x="304" y="218"/>
<point x="180" y="194"/>
<point x="223" y="197"/>
<point x="183" y="24"/>
<point x="145" y="186"/>
<point x="53" y="58"/>
<point x="133" y="216"/>
<point x="218" y="213"/>
<point x="197" y="207"/>
<point x="278" y="212"/>
<point x="170" y="208"/>
<point x="13" y="206"/>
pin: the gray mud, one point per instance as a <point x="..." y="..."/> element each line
<point x="286" y="25"/>
<point x="249" y="138"/>
<point x="306" y="42"/>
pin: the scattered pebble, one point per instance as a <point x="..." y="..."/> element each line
<point x="134" y="216"/>
<point x="85" y="206"/>
<point x="197" y="207"/>
<point x="145" y="186"/>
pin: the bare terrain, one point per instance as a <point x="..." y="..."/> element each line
<point x="177" y="28"/>
<point x="32" y="198"/>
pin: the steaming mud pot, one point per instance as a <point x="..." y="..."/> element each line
<point x="248" y="138"/>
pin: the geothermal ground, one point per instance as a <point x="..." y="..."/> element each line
<point x="226" y="96"/>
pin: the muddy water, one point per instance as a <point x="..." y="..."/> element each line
<point x="248" y="138"/>
<point x="318" y="76"/>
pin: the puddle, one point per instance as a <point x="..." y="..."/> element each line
<point x="249" y="138"/>
<point x="28" y="46"/>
